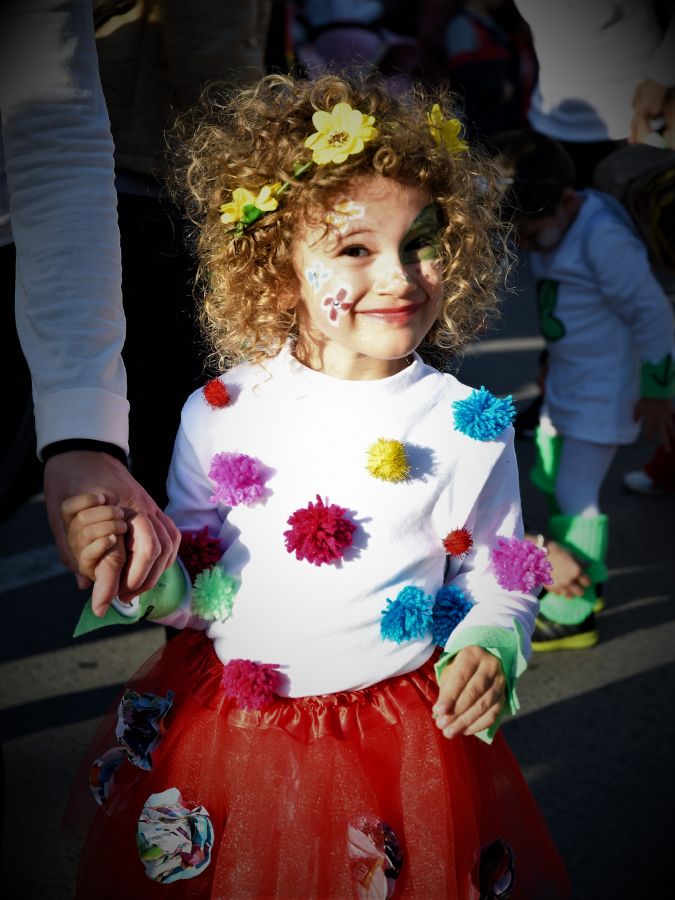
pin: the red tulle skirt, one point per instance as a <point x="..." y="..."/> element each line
<point x="349" y="795"/>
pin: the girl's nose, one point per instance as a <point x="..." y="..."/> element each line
<point x="393" y="280"/>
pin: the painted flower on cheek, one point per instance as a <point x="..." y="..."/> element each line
<point x="317" y="275"/>
<point x="337" y="304"/>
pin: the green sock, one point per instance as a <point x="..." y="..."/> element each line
<point x="545" y="469"/>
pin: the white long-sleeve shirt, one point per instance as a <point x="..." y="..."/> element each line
<point x="58" y="203"/>
<point x="615" y="317"/>
<point x="321" y="624"/>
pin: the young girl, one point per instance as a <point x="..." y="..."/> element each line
<point x="345" y="508"/>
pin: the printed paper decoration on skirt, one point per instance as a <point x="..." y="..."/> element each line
<point x="349" y="795"/>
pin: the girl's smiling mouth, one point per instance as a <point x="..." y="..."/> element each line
<point x="393" y="313"/>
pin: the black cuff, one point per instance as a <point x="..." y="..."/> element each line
<point x="84" y="444"/>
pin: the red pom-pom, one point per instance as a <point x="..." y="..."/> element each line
<point x="216" y="393"/>
<point x="250" y="683"/>
<point x="319" y="533"/>
<point x="458" y="542"/>
<point x="198" y="551"/>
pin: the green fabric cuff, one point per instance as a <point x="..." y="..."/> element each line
<point x="160" y="601"/>
<point x="503" y="643"/>
<point x="657" y="380"/>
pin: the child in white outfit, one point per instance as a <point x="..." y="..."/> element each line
<point x="346" y="508"/>
<point x="609" y="332"/>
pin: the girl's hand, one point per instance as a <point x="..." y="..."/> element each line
<point x="569" y="578"/>
<point x="472" y="692"/>
<point x="92" y="531"/>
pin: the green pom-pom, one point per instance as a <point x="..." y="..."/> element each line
<point x="213" y="594"/>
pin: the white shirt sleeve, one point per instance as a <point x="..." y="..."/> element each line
<point x="495" y="514"/>
<point x="630" y="288"/>
<point x="60" y="177"/>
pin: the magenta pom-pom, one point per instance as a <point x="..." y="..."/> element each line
<point x="250" y="683"/>
<point x="319" y="533"/>
<point x="520" y="565"/>
<point x="239" y="479"/>
<point x="198" y="551"/>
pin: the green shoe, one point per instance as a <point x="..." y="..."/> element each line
<point x="550" y="635"/>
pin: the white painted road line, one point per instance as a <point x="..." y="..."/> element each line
<point x="29" y="567"/>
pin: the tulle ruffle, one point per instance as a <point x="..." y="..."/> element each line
<point x="348" y="795"/>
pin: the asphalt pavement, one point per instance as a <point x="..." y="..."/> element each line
<point x="595" y="734"/>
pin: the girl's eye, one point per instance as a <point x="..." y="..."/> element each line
<point x="355" y="250"/>
<point x="422" y="240"/>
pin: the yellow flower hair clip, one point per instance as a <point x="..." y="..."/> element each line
<point x="339" y="133"/>
<point x="245" y="208"/>
<point x="446" y="132"/>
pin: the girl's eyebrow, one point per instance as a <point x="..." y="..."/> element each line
<point x="361" y="229"/>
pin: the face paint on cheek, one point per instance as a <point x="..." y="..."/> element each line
<point x="344" y="213"/>
<point x="337" y="304"/>
<point x="421" y="240"/>
<point x="317" y="275"/>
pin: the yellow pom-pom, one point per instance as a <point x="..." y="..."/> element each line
<point x="387" y="460"/>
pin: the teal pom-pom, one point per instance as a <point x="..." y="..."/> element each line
<point x="450" y="607"/>
<point x="408" y="616"/>
<point x="213" y="594"/>
<point x="482" y="416"/>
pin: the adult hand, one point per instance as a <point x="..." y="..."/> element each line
<point x="151" y="540"/>
<point x="648" y="102"/>
<point x="471" y="695"/>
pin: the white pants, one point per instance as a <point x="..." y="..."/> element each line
<point x="583" y="467"/>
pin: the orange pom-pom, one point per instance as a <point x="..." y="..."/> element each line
<point x="216" y="393"/>
<point x="458" y="542"/>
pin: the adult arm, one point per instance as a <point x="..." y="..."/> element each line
<point x="60" y="179"/>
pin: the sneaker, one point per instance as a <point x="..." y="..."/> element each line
<point x="550" y="635"/>
<point x="639" y="482"/>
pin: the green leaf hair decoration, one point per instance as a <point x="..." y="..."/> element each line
<point x="213" y="594"/>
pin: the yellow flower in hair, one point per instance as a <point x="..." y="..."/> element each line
<point x="387" y="460"/>
<point x="245" y="208"/>
<point x="339" y="133"/>
<point x="446" y="131"/>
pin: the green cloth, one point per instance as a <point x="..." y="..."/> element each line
<point x="586" y="538"/>
<point x="507" y="646"/>
<point x="657" y="380"/>
<point x="161" y="600"/>
<point x="545" y="469"/>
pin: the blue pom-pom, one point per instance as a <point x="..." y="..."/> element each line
<point x="449" y="609"/>
<point x="482" y="416"/>
<point x="408" y="616"/>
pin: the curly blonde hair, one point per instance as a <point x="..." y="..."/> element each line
<point x="253" y="137"/>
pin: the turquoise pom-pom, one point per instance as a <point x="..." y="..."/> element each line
<point x="450" y="607"/>
<point x="213" y="594"/>
<point x="482" y="416"/>
<point x="408" y="616"/>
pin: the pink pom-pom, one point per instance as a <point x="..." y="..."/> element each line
<point x="319" y="533"/>
<point x="250" y="683"/>
<point x="520" y="565"/>
<point x="239" y="479"/>
<point x="198" y="551"/>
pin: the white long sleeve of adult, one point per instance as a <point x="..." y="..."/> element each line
<point x="60" y="179"/>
